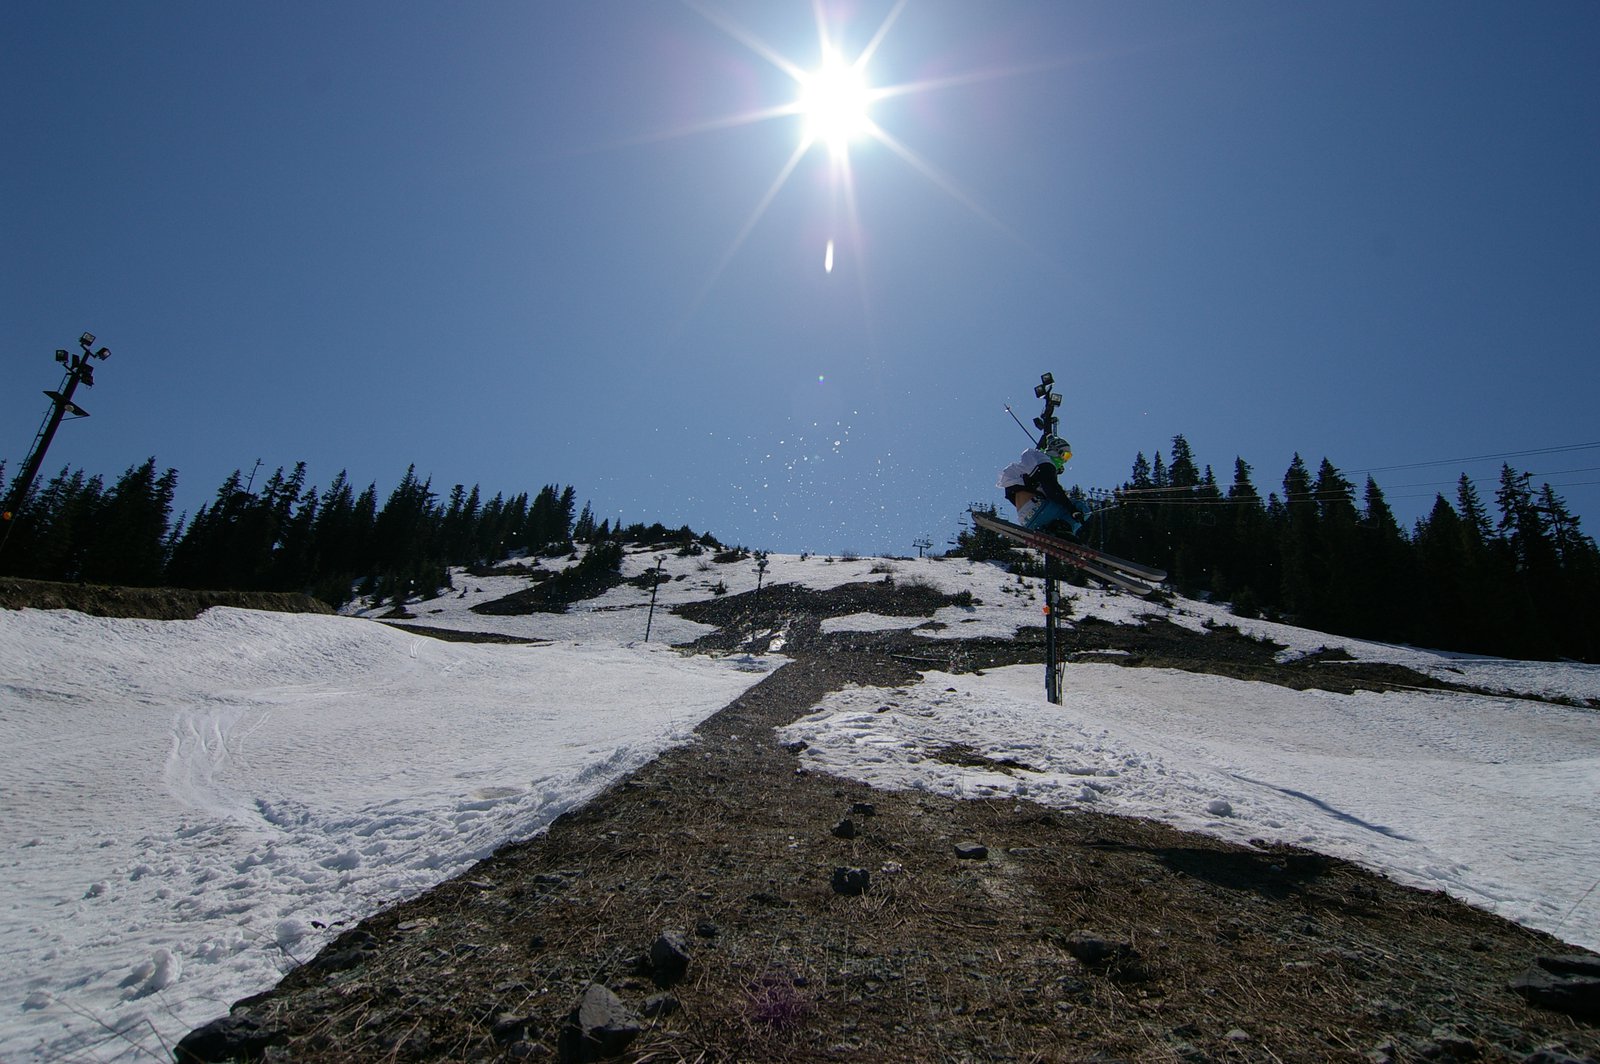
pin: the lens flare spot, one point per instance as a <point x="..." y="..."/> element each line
<point x="827" y="259"/>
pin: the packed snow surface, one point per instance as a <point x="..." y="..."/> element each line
<point x="193" y="807"/>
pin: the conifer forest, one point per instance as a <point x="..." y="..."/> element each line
<point x="1512" y="575"/>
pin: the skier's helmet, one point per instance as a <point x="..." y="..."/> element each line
<point x="1059" y="450"/>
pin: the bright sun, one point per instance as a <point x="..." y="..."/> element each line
<point x="835" y="101"/>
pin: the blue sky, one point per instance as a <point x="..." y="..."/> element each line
<point x="519" y="244"/>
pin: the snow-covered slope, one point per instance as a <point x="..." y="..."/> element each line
<point x="192" y="806"/>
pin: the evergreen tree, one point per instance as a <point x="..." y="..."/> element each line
<point x="980" y="544"/>
<point x="1299" y="546"/>
<point x="1474" y="517"/>
<point x="1578" y="621"/>
<point x="1386" y="588"/>
<point x="1338" y="558"/>
<point x="128" y="544"/>
<point x="1182" y="472"/>
<point x="1448" y="610"/>
<point x="1247" y="570"/>
<point x="583" y="531"/>
<point x="1242" y="489"/>
<point x="404" y="534"/>
<point x="1522" y="525"/>
<point x="1141" y="473"/>
<point x="498" y="532"/>
<point x="549" y="518"/>
<point x="339" y="537"/>
<point x="54" y="527"/>
<point x="296" y="564"/>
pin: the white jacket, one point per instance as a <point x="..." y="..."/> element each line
<point x="1013" y="475"/>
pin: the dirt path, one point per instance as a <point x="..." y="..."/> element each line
<point x="1077" y="936"/>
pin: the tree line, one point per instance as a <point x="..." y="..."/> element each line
<point x="284" y="536"/>
<point x="1518" y="578"/>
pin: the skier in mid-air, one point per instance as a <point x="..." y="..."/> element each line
<point x="1031" y="485"/>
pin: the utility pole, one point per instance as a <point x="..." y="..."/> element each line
<point x="79" y="370"/>
<point x="650" y="618"/>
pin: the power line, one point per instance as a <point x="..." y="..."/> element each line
<point x="1482" y="457"/>
<point x="1451" y="483"/>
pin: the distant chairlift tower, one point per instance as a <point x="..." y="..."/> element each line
<point x="79" y="370"/>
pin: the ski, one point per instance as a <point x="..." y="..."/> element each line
<point x="1067" y="546"/>
<point x="1106" y="568"/>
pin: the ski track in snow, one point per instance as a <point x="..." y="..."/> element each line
<point x="192" y="807"/>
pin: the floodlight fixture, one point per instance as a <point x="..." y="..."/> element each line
<point x="1047" y="379"/>
<point x="86" y="340"/>
<point x="103" y="354"/>
<point x="1055" y="397"/>
<point x="1039" y="390"/>
<point x="67" y="405"/>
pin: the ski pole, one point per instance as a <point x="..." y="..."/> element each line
<point x="1020" y="425"/>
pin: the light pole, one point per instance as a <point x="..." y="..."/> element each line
<point x="80" y="370"/>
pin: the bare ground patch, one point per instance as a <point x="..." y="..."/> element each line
<point x="153" y="603"/>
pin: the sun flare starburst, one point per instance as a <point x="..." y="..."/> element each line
<point x="835" y="101"/>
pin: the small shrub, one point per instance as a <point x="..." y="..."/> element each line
<point x="774" y="1002"/>
<point x="720" y="588"/>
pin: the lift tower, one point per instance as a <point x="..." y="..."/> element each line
<point x="79" y="370"/>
